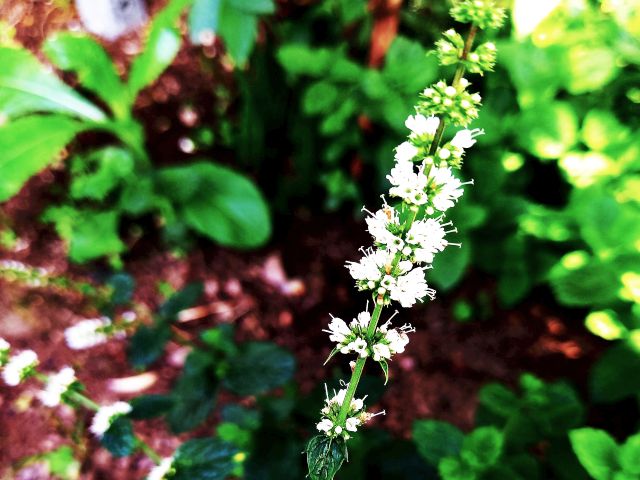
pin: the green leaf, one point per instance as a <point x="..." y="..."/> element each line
<point x="629" y="455"/>
<point x="218" y="203"/>
<point x="258" y="7"/>
<point x="597" y="452"/>
<point x="90" y="234"/>
<point x="325" y="456"/>
<point x="194" y="394"/>
<point x="161" y="48"/>
<point x="62" y="463"/>
<point x="601" y="129"/>
<point x="258" y="368"/>
<point x="220" y="339"/>
<point x="181" y="300"/>
<point x="320" y="97"/>
<point x="450" y="266"/>
<point x="123" y="286"/>
<point x="96" y="72"/>
<point x="482" y="447"/>
<point x="26" y="86"/>
<point x="302" y="60"/>
<point x="150" y="406"/>
<point x="436" y="440"/>
<point x="239" y="29"/>
<point x="30" y="144"/>
<point x="204" y="459"/>
<point x="204" y="18"/>
<point x="605" y="324"/>
<point x="615" y="374"/>
<point x="549" y="130"/>
<point x="453" y="468"/>
<point x="407" y="67"/>
<point x="385" y="369"/>
<point x="119" y="438"/>
<point x="244" y="417"/>
<point x="147" y="344"/>
<point x="590" y="68"/>
<point x="98" y="173"/>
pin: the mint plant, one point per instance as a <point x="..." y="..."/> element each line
<point x="119" y="181"/>
<point x="407" y="234"/>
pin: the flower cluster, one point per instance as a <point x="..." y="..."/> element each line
<point x="18" y="271"/>
<point x="451" y="102"/>
<point x="19" y="367"/>
<point x="90" y="333"/>
<point x="58" y="386"/>
<point x="356" y="415"/>
<point x="482" y="13"/>
<point x="106" y="416"/>
<point x="353" y="337"/>
<point x="450" y="50"/>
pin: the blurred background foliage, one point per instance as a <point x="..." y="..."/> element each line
<point x="317" y="102"/>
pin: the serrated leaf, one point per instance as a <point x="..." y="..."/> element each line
<point x="29" y="144"/>
<point x="119" y="438"/>
<point x="325" y="456"/>
<point x="26" y="86"/>
<point x="96" y="72"/>
<point x="98" y="173"/>
<point x="149" y="406"/>
<point x="482" y="447"/>
<point x="218" y="203"/>
<point x="436" y="440"/>
<point x="258" y="368"/>
<point x="204" y="459"/>
<point x="147" y="344"/>
<point x="597" y="452"/>
<point x="194" y="394"/>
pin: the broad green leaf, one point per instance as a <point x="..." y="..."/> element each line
<point x="218" y="203"/>
<point x="194" y="394"/>
<point x="303" y="60"/>
<point x="320" y="97"/>
<point x="161" y="48"/>
<point x="239" y="30"/>
<point x="325" y="456"/>
<point x="244" y="417"/>
<point x="629" y="455"/>
<point x="436" y="440"/>
<point x="454" y="468"/>
<point x="122" y="287"/>
<point x="27" y="86"/>
<point x="597" y="452"/>
<point x="204" y="18"/>
<point x="181" y="300"/>
<point x="407" y="67"/>
<point x="90" y="234"/>
<point x="99" y="172"/>
<point x="450" y="266"/>
<point x="149" y="406"/>
<point x="96" y="72"/>
<point x="204" y="459"/>
<point x="147" y="344"/>
<point x="220" y="339"/>
<point x="590" y="68"/>
<point x="548" y="130"/>
<point x="258" y="368"/>
<point x="615" y="375"/>
<point x="482" y="447"/>
<point x="601" y="129"/>
<point x="62" y="463"/>
<point x="258" y="7"/>
<point x="29" y="144"/>
<point x="119" y="438"/>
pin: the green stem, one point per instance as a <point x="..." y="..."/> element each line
<point x="148" y="451"/>
<point x="456" y="82"/>
<point x="80" y="399"/>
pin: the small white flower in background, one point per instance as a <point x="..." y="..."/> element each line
<point x="410" y="288"/>
<point x="406" y="152"/>
<point x="57" y="386"/>
<point x="447" y="188"/>
<point x="466" y="138"/>
<point x="106" y="415"/>
<point x="5" y="347"/>
<point x="162" y="470"/>
<point x="87" y="333"/>
<point x="421" y="126"/>
<point x="19" y="367"/>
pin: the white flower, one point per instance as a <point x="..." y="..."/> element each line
<point x="18" y="367"/>
<point x="429" y="238"/>
<point x="405" y="152"/>
<point x="57" y="385"/>
<point x="325" y="425"/>
<point x="369" y="267"/>
<point x="408" y="183"/>
<point x="466" y="138"/>
<point x="397" y="340"/>
<point x="160" y="471"/>
<point x="359" y="345"/>
<point x="378" y="226"/>
<point x="4" y="345"/>
<point x="380" y="351"/>
<point x="447" y="188"/>
<point x="338" y="330"/>
<point x="338" y="398"/>
<point x="421" y="125"/>
<point x="410" y="288"/>
<point x="352" y="424"/>
<point x="357" y="404"/>
<point x="87" y="333"/>
<point x="106" y="415"/>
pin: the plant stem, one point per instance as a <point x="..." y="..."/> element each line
<point x="148" y="451"/>
<point x="456" y="82"/>
<point x="86" y="402"/>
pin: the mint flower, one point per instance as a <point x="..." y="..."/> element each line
<point x="19" y="367"/>
<point x="88" y="333"/>
<point x="106" y="415"/>
<point x="163" y="470"/>
<point x="57" y="387"/>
